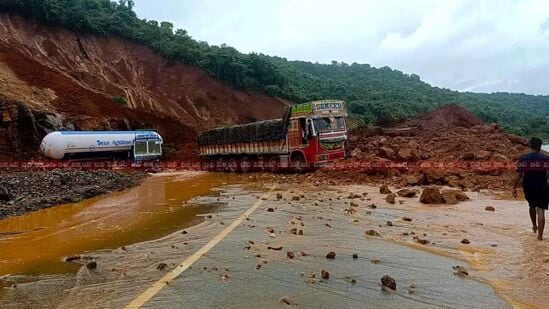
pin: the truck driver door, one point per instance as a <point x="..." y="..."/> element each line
<point x="297" y="136"/>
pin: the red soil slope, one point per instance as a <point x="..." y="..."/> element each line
<point x="52" y="70"/>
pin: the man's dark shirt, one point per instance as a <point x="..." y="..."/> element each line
<point x="534" y="182"/>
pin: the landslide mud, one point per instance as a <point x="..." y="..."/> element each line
<point x="22" y="192"/>
<point x="253" y="266"/>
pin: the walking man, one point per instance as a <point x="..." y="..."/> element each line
<point x="532" y="171"/>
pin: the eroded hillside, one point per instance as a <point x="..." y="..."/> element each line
<point x="51" y="78"/>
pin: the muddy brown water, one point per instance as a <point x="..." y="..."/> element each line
<point x="36" y="242"/>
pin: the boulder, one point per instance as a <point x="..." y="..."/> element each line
<point x="386" y="152"/>
<point x="435" y="176"/>
<point x="357" y="153"/>
<point x="408" y="154"/>
<point x="431" y="195"/>
<point x="454" y="196"/>
<point x="390" y="198"/>
<point x="500" y="157"/>
<point x="4" y="194"/>
<point x="372" y="233"/>
<point x="388" y="282"/>
<point x="452" y="181"/>
<point x="406" y="193"/>
<point x="413" y="180"/>
<point x="468" y="156"/>
<point x="482" y="154"/>
<point x="384" y="189"/>
<point x="518" y="140"/>
<point x="324" y="274"/>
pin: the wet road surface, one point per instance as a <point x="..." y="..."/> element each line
<point x="241" y="270"/>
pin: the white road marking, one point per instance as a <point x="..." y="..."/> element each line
<point x="174" y="273"/>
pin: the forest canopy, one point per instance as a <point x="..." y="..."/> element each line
<point x="372" y="93"/>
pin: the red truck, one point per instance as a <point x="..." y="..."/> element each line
<point x="307" y="135"/>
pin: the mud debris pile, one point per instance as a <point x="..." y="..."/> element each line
<point x="28" y="191"/>
<point x="449" y="146"/>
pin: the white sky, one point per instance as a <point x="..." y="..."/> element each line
<point x="473" y="45"/>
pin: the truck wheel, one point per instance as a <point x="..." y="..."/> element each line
<point x="245" y="165"/>
<point x="297" y="163"/>
<point x="272" y="165"/>
<point x="232" y="165"/>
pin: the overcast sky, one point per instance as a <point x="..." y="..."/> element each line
<point x="473" y="45"/>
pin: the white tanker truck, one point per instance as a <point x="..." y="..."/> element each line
<point x="139" y="145"/>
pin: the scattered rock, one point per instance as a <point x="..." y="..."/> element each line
<point x="72" y="258"/>
<point x="295" y="198"/>
<point x="431" y="195"/>
<point x="388" y="282"/>
<point x="4" y="194"/>
<point x="331" y="255"/>
<point x="490" y="208"/>
<point x="279" y="196"/>
<point x="355" y="256"/>
<point x="285" y="301"/>
<point x="386" y="152"/>
<point x="421" y="240"/>
<point x="293" y="231"/>
<point x="465" y="241"/>
<point x="274" y="248"/>
<point x="413" y="180"/>
<point x="460" y="271"/>
<point x="391" y="198"/>
<point x="91" y="265"/>
<point x="482" y="155"/>
<point x="372" y="233"/>
<point x="375" y="261"/>
<point x="161" y="266"/>
<point x="389" y="223"/>
<point x="324" y="274"/>
<point x="184" y="232"/>
<point x="270" y="209"/>
<point x="407" y="193"/>
<point x="290" y="255"/>
<point x="384" y="189"/>
<point x="353" y="204"/>
<point x="407" y="219"/>
<point x="454" y="196"/>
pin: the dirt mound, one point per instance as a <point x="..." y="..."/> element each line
<point x="75" y="76"/>
<point x="446" y="116"/>
<point x="462" y="151"/>
<point x="29" y="191"/>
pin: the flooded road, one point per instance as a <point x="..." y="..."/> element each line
<point x="36" y="242"/>
<point x="135" y="239"/>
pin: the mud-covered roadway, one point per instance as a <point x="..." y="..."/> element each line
<point x="277" y="256"/>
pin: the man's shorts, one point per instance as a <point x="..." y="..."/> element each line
<point x="539" y="203"/>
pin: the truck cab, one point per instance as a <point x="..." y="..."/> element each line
<point x="317" y="132"/>
<point x="147" y="146"/>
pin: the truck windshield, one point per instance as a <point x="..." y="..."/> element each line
<point x="329" y="125"/>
